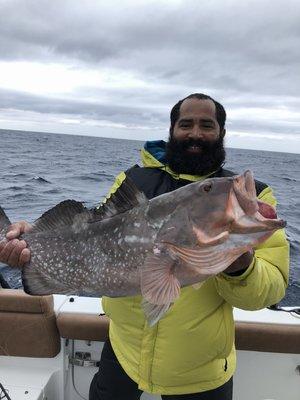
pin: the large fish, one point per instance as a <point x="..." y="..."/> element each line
<point x="132" y="245"/>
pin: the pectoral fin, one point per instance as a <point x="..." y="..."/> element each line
<point x="159" y="286"/>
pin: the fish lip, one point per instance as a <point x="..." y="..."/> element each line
<point x="245" y="192"/>
<point x="261" y="225"/>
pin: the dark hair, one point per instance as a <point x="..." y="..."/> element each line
<point x="220" y="111"/>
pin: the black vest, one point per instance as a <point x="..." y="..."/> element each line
<point x="155" y="181"/>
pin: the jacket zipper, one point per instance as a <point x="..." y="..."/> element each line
<point x="225" y="365"/>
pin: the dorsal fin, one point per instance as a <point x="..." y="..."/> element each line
<point x="73" y="213"/>
<point x="126" y="197"/>
<point x="63" y="214"/>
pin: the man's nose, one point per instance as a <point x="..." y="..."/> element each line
<point x="196" y="132"/>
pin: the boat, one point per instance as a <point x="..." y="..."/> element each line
<point x="50" y="347"/>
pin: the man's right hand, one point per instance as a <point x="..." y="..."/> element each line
<point x="14" y="252"/>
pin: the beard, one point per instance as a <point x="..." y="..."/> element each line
<point x="210" y="158"/>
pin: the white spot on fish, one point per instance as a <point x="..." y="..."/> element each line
<point x="136" y="239"/>
<point x="157" y="225"/>
<point x="156" y="251"/>
<point x="137" y="224"/>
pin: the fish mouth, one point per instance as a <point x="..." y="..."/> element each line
<point x="248" y="214"/>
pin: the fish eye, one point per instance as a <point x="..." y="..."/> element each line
<point x="207" y="187"/>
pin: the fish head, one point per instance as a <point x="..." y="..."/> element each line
<point x="216" y="208"/>
<point x="199" y="205"/>
<point x="229" y="206"/>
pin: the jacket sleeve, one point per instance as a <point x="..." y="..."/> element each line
<point x="117" y="183"/>
<point x="266" y="279"/>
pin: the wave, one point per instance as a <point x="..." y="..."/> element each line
<point x="95" y="177"/>
<point x="52" y="191"/>
<point x="19" y="175"/>
<point x="15" y="188"/>
<point x="289" y="179"/>
<point x="40" y="179"/>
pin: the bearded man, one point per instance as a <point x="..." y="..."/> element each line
<point x="189" y="354"/>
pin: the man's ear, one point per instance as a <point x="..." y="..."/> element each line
<point x="222" y="134"/>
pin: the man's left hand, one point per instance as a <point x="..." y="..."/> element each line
<point x="241" y="263"/>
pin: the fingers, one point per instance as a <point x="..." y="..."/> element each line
<point x="14" y="253"/>
<point x="24" y="257"/>
<point x="16" y="229"/>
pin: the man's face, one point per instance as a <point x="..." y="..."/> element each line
<point x="196" y="144"/>
<point x="197" y="120"/>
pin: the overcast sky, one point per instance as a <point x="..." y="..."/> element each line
<point x="115" y="68"/>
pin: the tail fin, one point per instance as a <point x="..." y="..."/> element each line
<point x="4" y="224"/>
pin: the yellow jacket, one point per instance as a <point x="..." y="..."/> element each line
<point x="191" y="349"/>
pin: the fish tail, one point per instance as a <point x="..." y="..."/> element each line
<point x="4" y="224"/>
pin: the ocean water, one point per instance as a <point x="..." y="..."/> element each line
<point x="38" y="170"/>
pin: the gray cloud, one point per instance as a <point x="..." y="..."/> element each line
<point x="115" y="113"/>
<point x="131" y="116"/>
<point x="245" y="54"/>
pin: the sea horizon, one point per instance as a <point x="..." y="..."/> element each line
<point x="133" y="140"/>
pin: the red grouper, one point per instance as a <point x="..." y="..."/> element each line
<point x="131" y="245"/>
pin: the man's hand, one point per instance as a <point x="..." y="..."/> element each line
<point x="241" y="263"/>
<point x="14" y="252"/>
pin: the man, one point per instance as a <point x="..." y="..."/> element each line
<point x="190" y="353"/>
